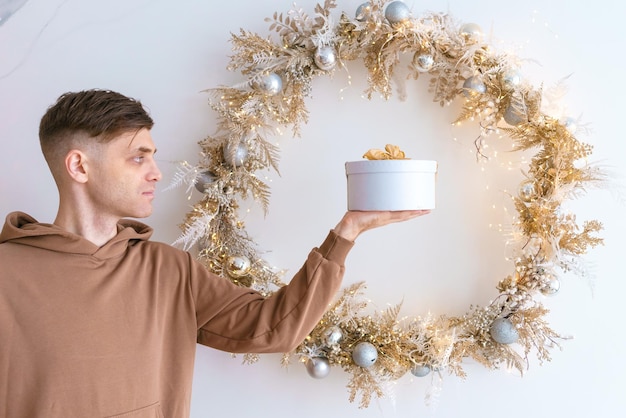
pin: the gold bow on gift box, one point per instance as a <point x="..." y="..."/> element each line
<point x="392" y="152"/>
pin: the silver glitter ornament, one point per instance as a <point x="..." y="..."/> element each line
<point x="318" y="367"/>
<point x="551" y="286"/>
<point x="515" y="115"/>
<point x="363" y="12"/>
<point x="420" y="370"/>
<point x="270" y="84"/>
<point x="527" y="191"/>
<point x="511" y="79"/>
<point x="238" y="266"/>
<point x="471" y="32"/>
<point x="364" y="354"/>
<point x="333" y="335"/>
<point x="235" y="155"/>
<point x="397" y="12"/>
<point x="423" y="62"/>
<point x="325" y="58"/>
<point x="503" y="331"/>
<point x="473" y="86"/>
<point x="204" y="179"/>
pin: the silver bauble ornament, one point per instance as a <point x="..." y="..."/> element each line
<point x="551" y="286"/>
<point x="571" y="125"/>
<point x="527" y="191"/>
<point x="420" y="370"/>
<point x="204" y="179"/>
<point x="235" y="154"/>
<point x="318" y="367"/>
<point x="511" y="79"/>
<point x="325" y="58"/>
<point x="363" y="12"/>
<point x="423" y="62"/>
<point x="270" y="84"/>
<point x="333" y="335"/>
<point x="515" y="115"/>
<point x="397" y="12"/>
<point x="238" y="266"/>
<point x="474" y="86"/>
<point x="471" y="32"/>
<point x="503" y="331"/>
<point x="364" y="354"/>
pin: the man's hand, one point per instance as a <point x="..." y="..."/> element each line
<point x="354" y="223"/>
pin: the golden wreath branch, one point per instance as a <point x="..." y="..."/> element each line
<point x="461" y="66"/>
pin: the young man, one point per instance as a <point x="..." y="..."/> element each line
<point x="98" y="321"/>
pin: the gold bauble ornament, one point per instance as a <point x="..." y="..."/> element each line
<point x="238" y="266"/>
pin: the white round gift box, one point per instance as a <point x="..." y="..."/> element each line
<point x="391" y="184"/>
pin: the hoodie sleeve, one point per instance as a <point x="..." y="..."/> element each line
<point x="240" y="320"/>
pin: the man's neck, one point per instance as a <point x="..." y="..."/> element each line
<point x="97" y="229"/>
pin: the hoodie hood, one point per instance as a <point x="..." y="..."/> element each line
<point x="22" y="229"/>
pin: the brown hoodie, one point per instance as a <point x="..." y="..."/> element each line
<point x="89" y="331"/>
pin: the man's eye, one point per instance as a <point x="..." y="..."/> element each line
<point x="138" y="159"/>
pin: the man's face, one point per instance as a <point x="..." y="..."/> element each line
<point x="123" y="176"/>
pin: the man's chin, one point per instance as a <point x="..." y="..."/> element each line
<point x="141" y="214"/>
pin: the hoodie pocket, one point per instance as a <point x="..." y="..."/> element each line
<point x="150" y="411"/>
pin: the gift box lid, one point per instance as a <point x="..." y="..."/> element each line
<point x="391" y="166"/>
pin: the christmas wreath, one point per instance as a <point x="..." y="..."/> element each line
<point x="377" y="348"/>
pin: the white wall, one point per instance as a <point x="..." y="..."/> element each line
<point x="166" y="52"/>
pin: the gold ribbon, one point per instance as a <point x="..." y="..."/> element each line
<point x="392" y="152"/>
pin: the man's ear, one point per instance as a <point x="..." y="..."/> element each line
<point x="76" y="165"/>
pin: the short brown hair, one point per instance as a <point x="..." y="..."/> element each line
<point x="98" y="114"/>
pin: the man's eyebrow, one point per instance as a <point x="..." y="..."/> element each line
<point x="147" y="150"/>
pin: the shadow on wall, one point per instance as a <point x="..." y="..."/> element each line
<point x="8" y="9"/>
